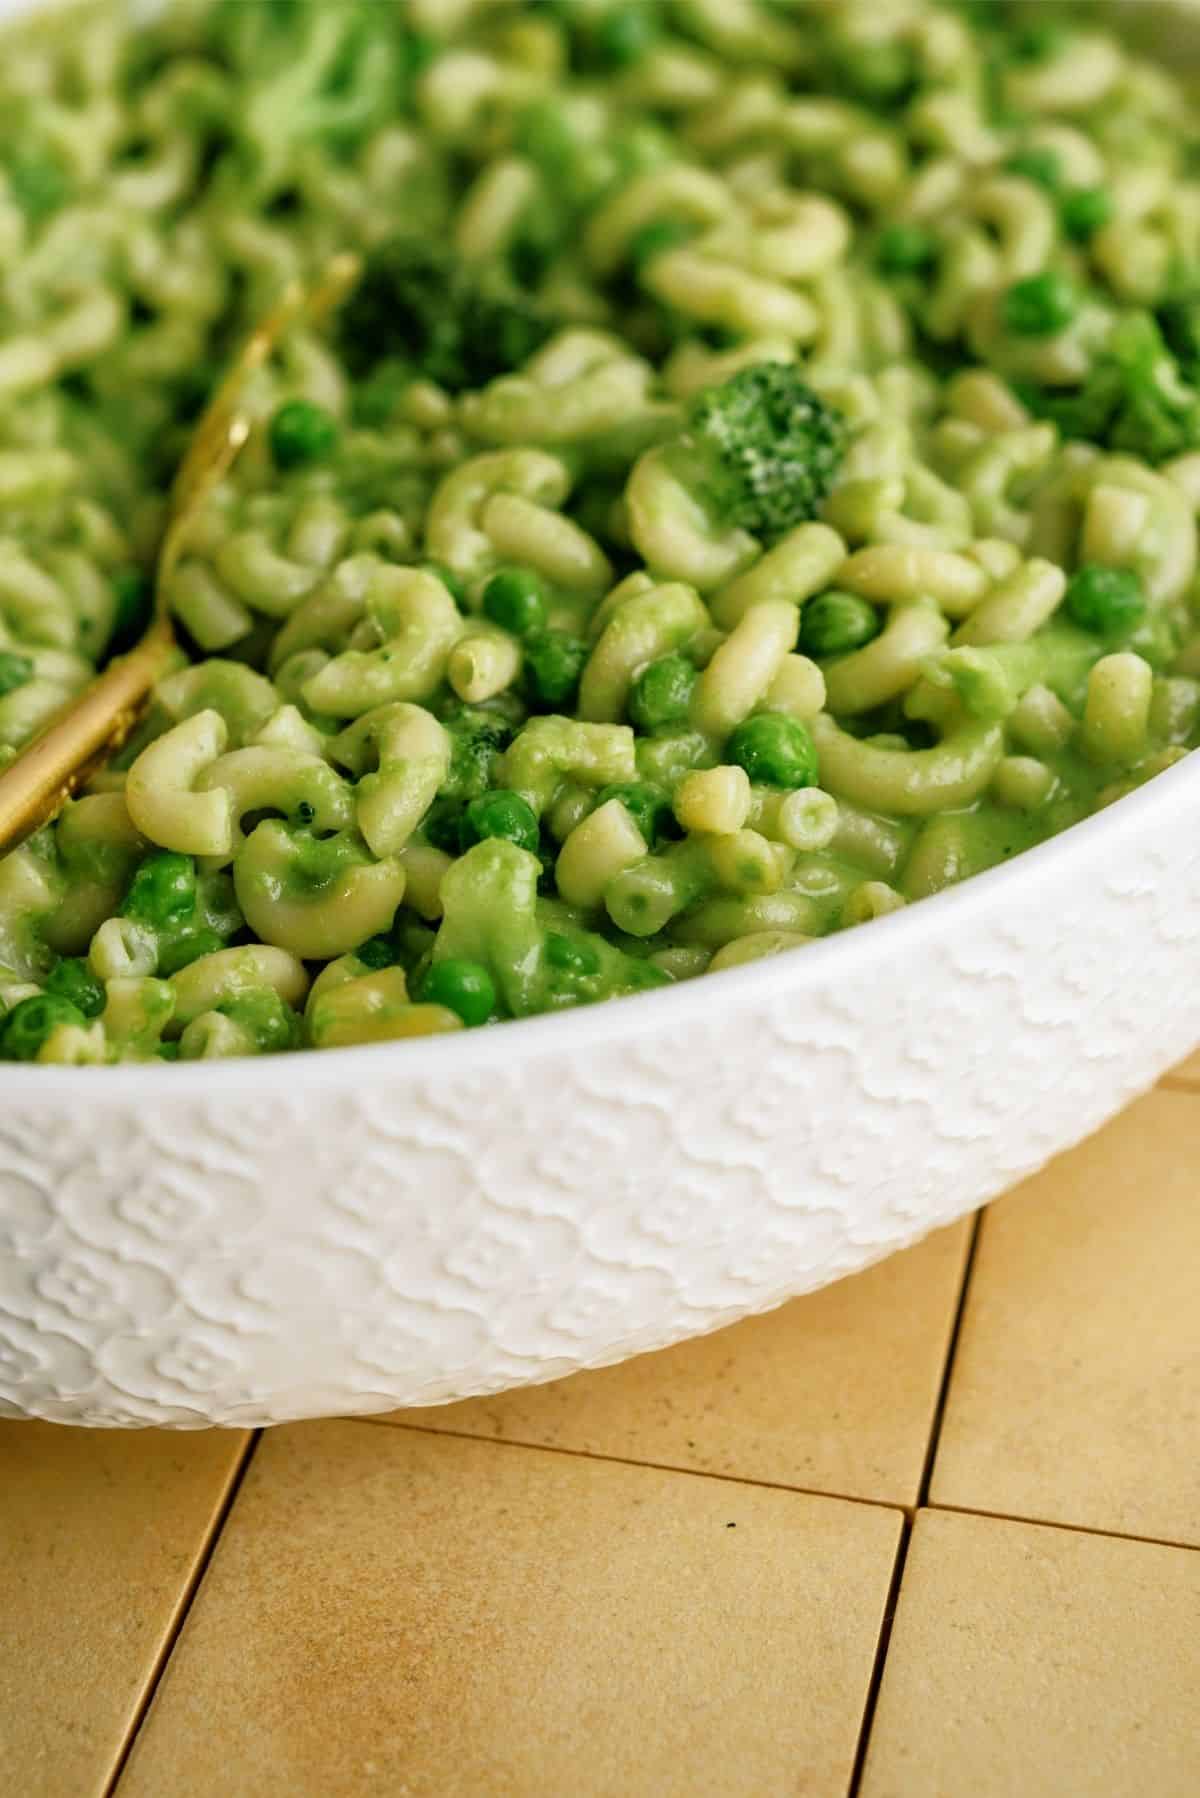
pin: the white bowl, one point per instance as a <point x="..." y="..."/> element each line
<point x="347" y="1231"/>
<point x="261" y="1240"/>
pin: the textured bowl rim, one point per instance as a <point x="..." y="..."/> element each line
<point x="939" y="915"/>
<point x="943" y="916"/>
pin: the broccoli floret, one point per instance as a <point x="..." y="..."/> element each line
<point x="478" y="739"/>
<point x="317" y="74"/>
<point x="1135" y="397"/>
<point x="763" y="449"/>
<point x="453" y="324"/>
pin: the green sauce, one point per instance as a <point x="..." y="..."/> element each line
<point x="679" y="421"/>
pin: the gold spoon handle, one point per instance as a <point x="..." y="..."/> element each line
<point x="45" y="774"/>
<point x="47" y="771"/>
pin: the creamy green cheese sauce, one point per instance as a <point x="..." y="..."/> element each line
<point x="751" y="486"/>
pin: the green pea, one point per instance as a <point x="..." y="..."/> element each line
<point x="300" y="433"/>
<point x="15" y="670"/>
<point x="649" y="806"/>
<point x="543" y="132"/>
<point x="775" y="750"/>
<point x="501" y="813"/>
<point x="654" y="238"/>
<point x="1154" y="640"/>
<point x="1041" y="166"/>
<point x="833" y="623"/>
<point x="460" y="985"/>
<point x="377" y="395"/>
<point x="904" y="249"/>
<point x="554" y="661"/>
<point x="38" y="183"/>
<point x="877" y="72"/>
<point x="74" y="981"/>
<point x="443" y="824"/>
<point x="662" y="692"/>
<point x="27" y="1026"/>
<point x="180" y="948"/>
<point x="515" y="599"/>
<point x="419" y="50"/>
<point x="1107" y="601"/>
<point x="1084" y="210"/>
<point x="625" y="33"/>
<point x="672" y="753"/>
<point x="163" y="889"/>
<point x="571" y="957"/>
<point x="1038" y="42"/>
<point x="1041" y="304"/>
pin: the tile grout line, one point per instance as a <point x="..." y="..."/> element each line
<point x="867" y="1721"/>
<point x="163" y="1658"/>
<point x="904" y="1506"/>
<point x="939" y="1409"/>
<point x="907" y="1508"/>
<point x="1073" y="1529"/>
<point x="875" y="1683"/>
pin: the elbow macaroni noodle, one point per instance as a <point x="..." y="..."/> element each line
<point x="484" y="706"/>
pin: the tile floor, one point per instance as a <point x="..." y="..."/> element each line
<point x="933" y="1532"/>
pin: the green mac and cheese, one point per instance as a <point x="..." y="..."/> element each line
<point x="752" y="486"/>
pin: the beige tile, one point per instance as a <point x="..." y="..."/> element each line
<point x="393" y="1611"/>
<point x="1028" y="1662"/>
<point x="1075" y="1395"/>
<point x="835" y="1392"/>
<point x="100" y="1533"/>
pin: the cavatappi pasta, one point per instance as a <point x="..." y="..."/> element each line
<point x="753" y="487"/>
